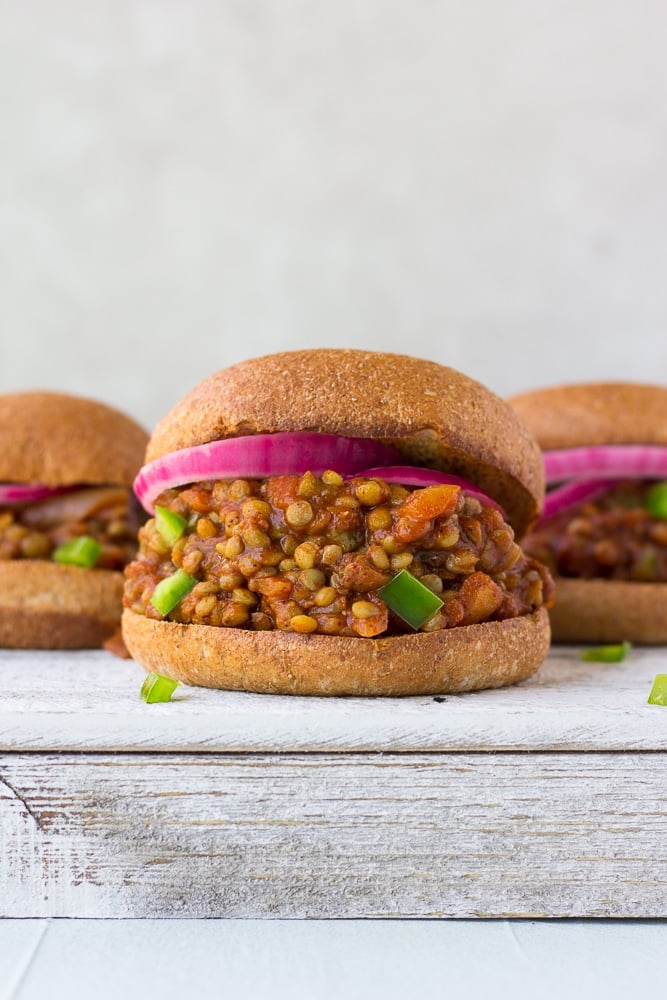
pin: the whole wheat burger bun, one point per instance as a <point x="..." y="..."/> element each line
<point x="467" y="658"/>
<point x="436" y="417"/>
<point x="595" y="413"/>
<point x="609" y="611"/>
<point x="601" y="413"/>
<point x="57" y="440"/>
<point x="62" y="440"/>
<point x="46" y="605"/>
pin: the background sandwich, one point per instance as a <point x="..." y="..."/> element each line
<point x="604" y="529"/>
<point x="67" y="524"/>
<point x="339" y="522"/>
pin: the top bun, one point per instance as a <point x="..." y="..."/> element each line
<point x="62" y="440"/>
<point x="595" y="413"/>
<point x="434" y="415"/>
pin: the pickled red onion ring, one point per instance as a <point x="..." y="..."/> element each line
<point x="564" y="497"/>
<point x="614" y="461"/>
<point x="258" y="456"/>
<point x="412" y="475"/>
<point x="15" y="493"/>
<point x="74" y="505"/>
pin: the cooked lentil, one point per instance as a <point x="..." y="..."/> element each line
<point x="611" y="536"/>
<point x="34" y="531"/>
<point x="321" y="572"/>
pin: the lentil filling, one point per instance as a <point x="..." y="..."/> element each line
<point x="612" y="536"/>
<point x="104" y="513"/>
<point x="309" y="554"/>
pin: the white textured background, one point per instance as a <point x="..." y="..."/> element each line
<point x="184" y="183"/>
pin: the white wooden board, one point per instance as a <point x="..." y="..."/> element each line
<point x="90" y="701"/>
<point x="224" y="804"/>
<point x="436" y="835"/>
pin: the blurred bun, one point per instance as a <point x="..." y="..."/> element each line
<point x="609" y="611"/>
<point x="61" y="440"/>
<point x="593" y="413"/>
<point x="45" y="605"/>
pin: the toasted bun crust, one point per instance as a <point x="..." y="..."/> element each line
<point x="434" y="415"/>
<point x="46" y="605"/>
<point x="595" y="413"/>
<point x="459" y="659"/>
<point x="60" y="440"/>
<point x="609" y="611"/>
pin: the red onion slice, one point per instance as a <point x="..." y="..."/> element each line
<point x="74" y="505"/>
<point x="258" y="456"/>
<point x="614" y="461"/>
<point x="564" y="497"/>
<point x="15" y="493"/>
<point x="412" y="475"/>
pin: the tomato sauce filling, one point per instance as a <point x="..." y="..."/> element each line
<point x="304" y="553"/>
<point x="106" y="514"/>
<point x="611" y="536"/>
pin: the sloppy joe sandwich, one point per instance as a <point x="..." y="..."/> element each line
<point x="603" y="532"/>
<point x="335" y="522"/>
<point x="67" y="523"/>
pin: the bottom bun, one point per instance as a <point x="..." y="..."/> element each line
<point x="609" y="611"/>
<point x="458" y="659"/>
<point x="45" y="605"/>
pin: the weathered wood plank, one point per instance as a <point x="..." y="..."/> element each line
<point x="89" y="701"/>
<point x="456" y="835"/>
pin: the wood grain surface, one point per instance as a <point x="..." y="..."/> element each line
<point x="329" y="835"/>
<point x="89" y="701"/>
<point x="545" y="799"/>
